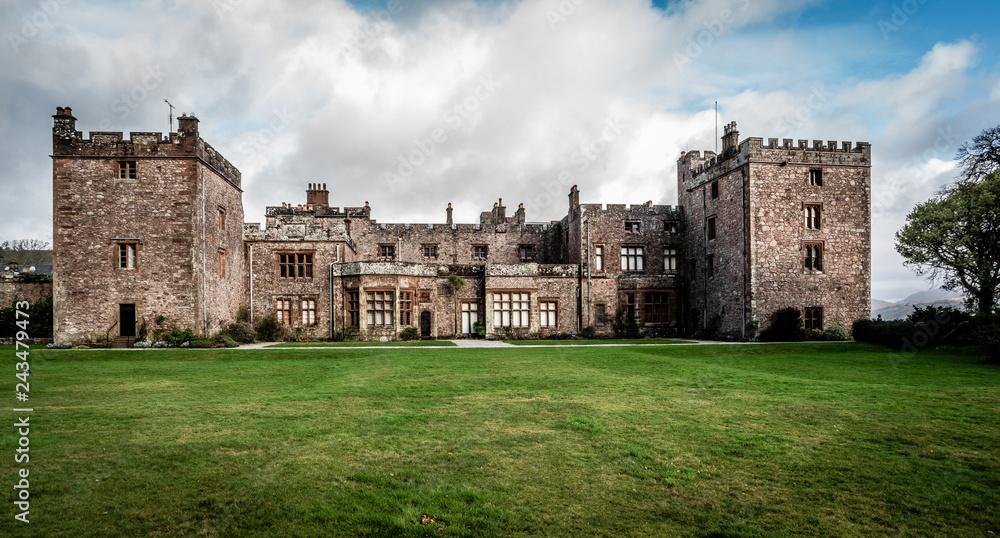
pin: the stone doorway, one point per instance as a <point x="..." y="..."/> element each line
<point x="425" y="324"/>
<point x="126" y="320"/>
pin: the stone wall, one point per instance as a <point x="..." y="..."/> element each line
<point x="15" y="289"/>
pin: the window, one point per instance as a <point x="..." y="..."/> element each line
<point x="715" y="190"/>
<point x="222" y="262"/>
<point x="710" y="264"/>
<point x="548" y="312"/>
<point x="526" y="252"/>
<point x="633" y="226"/>
<point x="470" y="316"/>
<point x="353" y="308"/>
<point x="655" y="309"/>
<point x="632" y="258"/>
<point x="671" y="228"/>
<point x="222" y="218"/>
<point x="406" y="308"/>
<point x="813" y="214"/>
<point x="309" y="311"/>
<point x="816" y="177"/>
<point x="511" y="310"/>
<point x="283" y="311"/>
<point x="670" y="259"/>
<point x="598" y="257"/>
<point x="711" y="228"/>
<point x="295" y="265"/>
<point x="430" y="252"/>
<point x="380" y="307"/>
<point x="630" y="307"/>
<point x="813" y="318"/>
<point x="387" y="252"/>
<point x="126" y="255"/>
<point x="814" y="256"/>
<point x="126" y="169"/>
<point x="480" y="252"/>
<point x="600" y="316"/>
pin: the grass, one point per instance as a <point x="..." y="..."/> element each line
<point x="415" y="343"/>
<point x="735" y="440"/>
<point x="598" y="342"/>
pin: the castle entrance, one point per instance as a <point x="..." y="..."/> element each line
<point x="126" y="320"/>
<point x="425" y="323"/>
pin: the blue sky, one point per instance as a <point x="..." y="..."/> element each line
<point x="294" y="92"/>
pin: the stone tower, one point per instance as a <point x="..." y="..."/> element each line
<point x="144" y="229"/>
<point x="777" y="225"/>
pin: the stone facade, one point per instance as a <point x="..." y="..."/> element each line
<point x="138" y="231"/>
<point x="324" y="270"/>
<point x="773" y="206"/>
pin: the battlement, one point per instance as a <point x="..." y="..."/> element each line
<point x="817" y="145"/>
<point x="67" y="141"/>
<point x="597" y="210"/>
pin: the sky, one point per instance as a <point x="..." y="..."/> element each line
<point x="413" y="104"/>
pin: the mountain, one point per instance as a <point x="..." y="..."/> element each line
<point x="923" y="299"/>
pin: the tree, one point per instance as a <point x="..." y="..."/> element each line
<point x="980" y="158"/>
<point x="25" y="252"/>
<point x="456" y="283"/>
<point x="955" y="237"/>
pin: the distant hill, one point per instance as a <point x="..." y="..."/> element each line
<point x="923" y="299"/>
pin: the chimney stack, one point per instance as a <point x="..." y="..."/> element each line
<point x="449" y="213"/>
<point x="317" y="195"/>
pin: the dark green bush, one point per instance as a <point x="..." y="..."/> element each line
<point x="179" y="336"/>
<point x="241" y="332"/>
<point x="224" y="338"/>
<point x="269" y="330"/>
<point x="201" y="343"/>
<point x="39" y="319"/>
<point x="786" y="326"/>
<point x="835" y="333"/>
<point x="409" y="333"/>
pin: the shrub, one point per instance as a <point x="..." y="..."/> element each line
<point x="161" y="344"/>
<point x="588" y="332"/>
<point x="835" y="333"/>
<point x="240" y="331"/>
<point x="269" y="330"/>
<point x="178" y="338"/>
<point x="142" y="344"/>
<point x="751" y="328"/>
<point x="243" y="315"/>
<point x="60" y="345"/>
<point x="409" y="333"/>
<point x="816" y="334"/>
<point x="201" y="343"/>
<point x="949" y="325"/>
<point x="227" y="340"/>
<point x="786" y="326"/>
<point x="480" y="328"/>
<point x="338" y="336"/>
<point x="143" y="330"/>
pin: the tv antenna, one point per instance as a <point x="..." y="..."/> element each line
<point x="171" y="120"/>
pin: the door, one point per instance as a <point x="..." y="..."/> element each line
<point x="126" y="320"/>
<point x="425" y="323"/>
<point x="470" y="316"/>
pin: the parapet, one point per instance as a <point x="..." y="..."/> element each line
<point x="67" y="142"/>
<point x="817" y="145"/>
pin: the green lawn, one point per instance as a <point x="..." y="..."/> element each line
<point x="734" y="440"/>
<point x="598" y="342"/>
<point x="417" y="343"/>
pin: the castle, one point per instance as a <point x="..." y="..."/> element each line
<point x="152" y="227"/>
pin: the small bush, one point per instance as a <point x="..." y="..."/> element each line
<point x="751" y="328"/>
<point x="269" y="330"/>
<point x="241" y="332"/>
<point x="409" y="333"/>
<point x="480" y="328"/>
<point x="816" y="334"/>
<point x="786" y="326"/>
<point x="201" y="343"/>
<point x="161" y="344"/>
<point x="180" y="337"/>
<point x="142" y="344"/>
<point x="588" y="332"/>
<point x="338" y="336"/>
<point x="835" y="333"/>
<point x="60" y="345"/>
<point x="243" y="315"/>
<point x="227" y="340"/>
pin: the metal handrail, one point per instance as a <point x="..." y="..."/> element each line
<point x="108" y="335"/>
